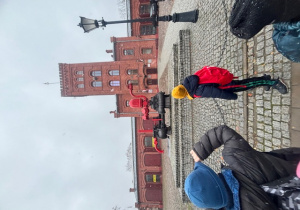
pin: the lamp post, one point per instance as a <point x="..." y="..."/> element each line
<point x="90" y="24"/>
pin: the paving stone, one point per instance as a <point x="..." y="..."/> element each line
<point x="276" y="142"/>
<point x="200" y="44"/>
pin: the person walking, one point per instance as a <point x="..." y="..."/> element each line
<point x="215" y="82"/>
<point x="244" y="179"/>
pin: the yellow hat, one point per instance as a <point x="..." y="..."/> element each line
<point x="190" y="97"/>
<point x="179" y="92"/>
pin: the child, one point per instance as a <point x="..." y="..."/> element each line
<point x="215" y="82"/>
<point x="243" y="183"/>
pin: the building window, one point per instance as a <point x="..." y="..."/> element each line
<point x="146" y="51"/>
<point x="144" y="10"/>
<point x="132" y="71"/>
<point x="152" y="178"/>
<point x="152" y="81"/>
<point x="151" y="71"/>
<point x="147" y="30"/>
<point x="114" y="83"/>
<point x="80" y="86"/>
<point x="114" y="72"/>
<point x="127" y="103"/>
<point x="128" y="52"/>
<point x="80" y="79"/>
<point x="79" y="72"/>
<point x="97" y="84"/>
<point x="96" y="73"/>
<point x="133" y="82"/>
<point x="148" y="141"/>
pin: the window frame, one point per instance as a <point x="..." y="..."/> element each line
<point x="144" y="10"/>
<point x="95" y="84"/>
<point x="147" y="29"/>
<point x="80" y="85"/>
<point x="148" y="138"/>
<point x="155" y="178"/>
<point x="79" y="72"/>
<point x="145" y="51"/>
<point x="133" y="82"/>
<point x="132" y="71"/>
<point x="126" y="52"/>
<point x="114" y="72"/>
<point x="96" y="73"/>
<point x="115" y="83"/>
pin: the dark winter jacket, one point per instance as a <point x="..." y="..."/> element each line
<point x="250" y="167"/>
<point x="211" y="90"/>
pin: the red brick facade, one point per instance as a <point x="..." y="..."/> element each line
<point x="135" y="62"/>
<point x="148" y="164"/>
<point x="141" y="9"/>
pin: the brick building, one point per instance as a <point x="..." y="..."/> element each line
<point x="147" y="167"/>
<point x="134" y="62"/>
<point x="140" y="9"/>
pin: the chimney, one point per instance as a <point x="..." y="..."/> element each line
<point x="109" y="51"/>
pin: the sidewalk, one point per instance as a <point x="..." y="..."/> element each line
<point x="267" y="119"/>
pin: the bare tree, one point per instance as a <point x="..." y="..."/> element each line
<point x="122" y="8"/>
<point x="116" y="208"/>
<point x="129" y="158"/>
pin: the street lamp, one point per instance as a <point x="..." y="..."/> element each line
<point x="90" y="24"/>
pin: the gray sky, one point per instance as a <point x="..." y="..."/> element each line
<point x="58" y="153"/>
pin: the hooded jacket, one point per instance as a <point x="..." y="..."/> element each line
<point x="210" y="90"/>
<point x="250" y="167"/>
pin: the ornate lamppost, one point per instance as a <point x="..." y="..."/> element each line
<point x="91" y="24"/>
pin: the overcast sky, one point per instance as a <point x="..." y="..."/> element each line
<point x="58" y="153"/>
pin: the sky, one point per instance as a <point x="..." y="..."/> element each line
<point x="58" y="153"/>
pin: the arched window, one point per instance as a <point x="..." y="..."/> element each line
<point x="114" y="72"/>
<point x="80" y="86"/>
<point x="80" y="79"/>
<point x="96" y="73"/>
<point x="97" y="84"/>
<point x="133" y="82"/>
<point x="79" y="72"/>
<point x="127" y="103"/>
<point x="132" y="71"/>
<point x="114" y="83"/>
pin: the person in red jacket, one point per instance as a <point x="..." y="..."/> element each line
<point x="215" y="82"/>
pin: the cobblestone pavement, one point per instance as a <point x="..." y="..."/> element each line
<point x="262" y="117"/>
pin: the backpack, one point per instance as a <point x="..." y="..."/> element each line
<point x="210" y="74"/>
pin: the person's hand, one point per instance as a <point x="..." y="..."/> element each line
<point x="195" y="156"/>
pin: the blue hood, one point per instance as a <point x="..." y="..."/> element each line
<point x="205" y="189"/>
